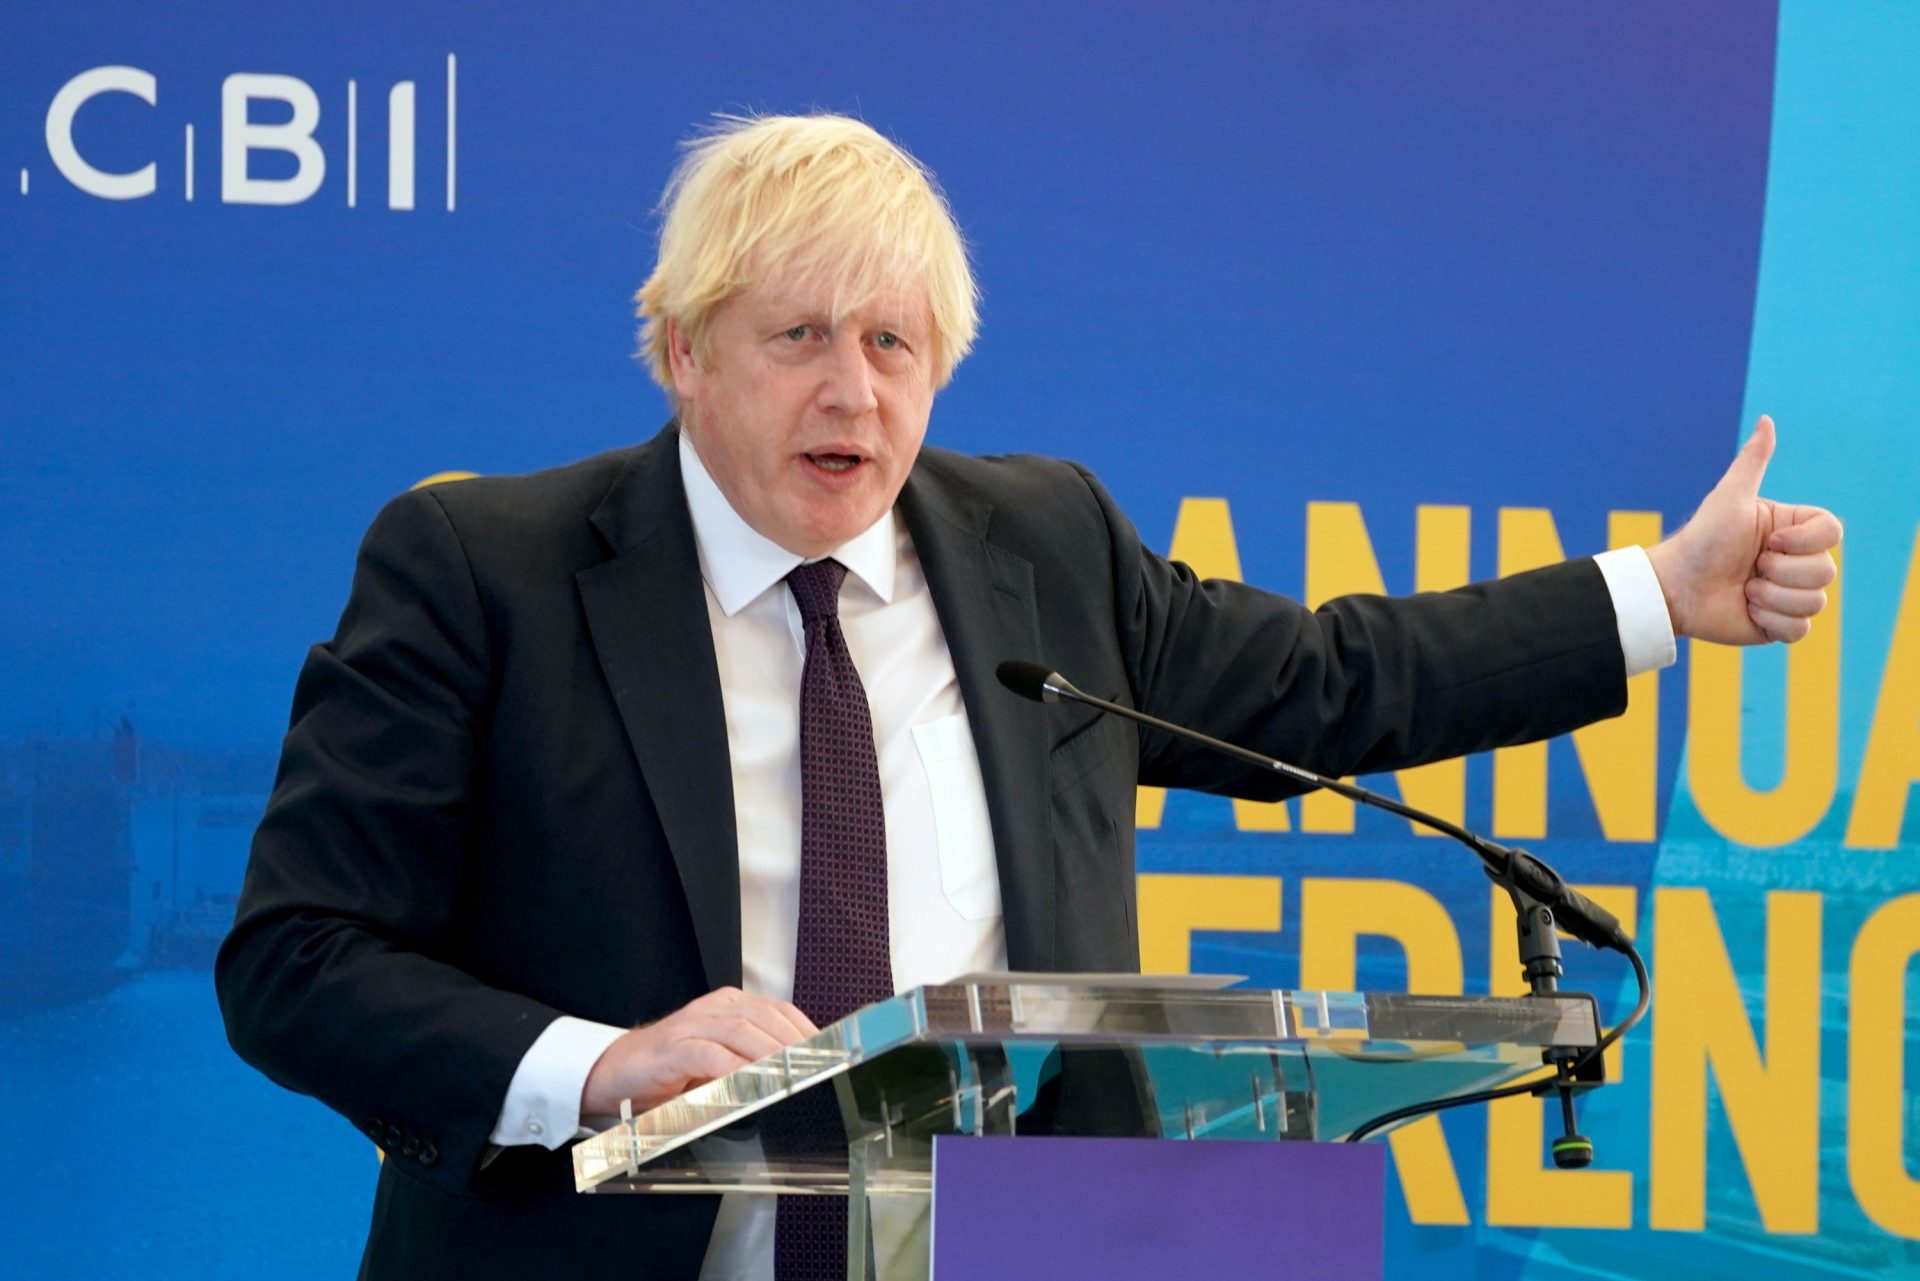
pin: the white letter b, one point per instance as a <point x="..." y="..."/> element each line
<point x="238" y="136"/>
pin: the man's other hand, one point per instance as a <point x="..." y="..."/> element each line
<point x="1746" y="569"/>
<point x="702" y="1040"/>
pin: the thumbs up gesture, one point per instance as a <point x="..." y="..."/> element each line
<point x="1746" y="569"/>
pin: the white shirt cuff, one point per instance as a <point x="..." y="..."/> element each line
<point x="543" y="1099"/>
<point x="1640" y="609"/>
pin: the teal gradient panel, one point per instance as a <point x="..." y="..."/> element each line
<point x="1836" y="362"/>
<point x="1836" y="333"/>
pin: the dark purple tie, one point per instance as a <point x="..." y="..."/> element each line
<point x="842" y="959"/>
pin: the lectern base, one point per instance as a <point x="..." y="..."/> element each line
<point x="1122" y="1209"/>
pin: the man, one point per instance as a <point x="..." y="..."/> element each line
<point x="618" y="776"/>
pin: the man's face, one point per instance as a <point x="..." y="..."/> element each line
<point x="809" y="424"/>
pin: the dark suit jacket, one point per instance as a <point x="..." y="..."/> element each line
<point x="505" y="796"/>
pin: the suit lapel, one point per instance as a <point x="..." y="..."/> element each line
<point x="984" y="596"/>
<point x="647" y="614"/>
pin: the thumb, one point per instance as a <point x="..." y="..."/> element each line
<point x="1750" y="464"/>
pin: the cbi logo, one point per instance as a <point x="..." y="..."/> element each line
<point x="254" y="119"/>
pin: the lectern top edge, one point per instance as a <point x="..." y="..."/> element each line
<point x="1329" y="1047"/>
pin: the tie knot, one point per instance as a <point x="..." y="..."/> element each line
<point x="816" y="588"/>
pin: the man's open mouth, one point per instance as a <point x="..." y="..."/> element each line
<point x="835" y="462"/>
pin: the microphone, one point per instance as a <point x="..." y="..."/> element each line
<point x="1513" y="868"/>
<point x="1033" y="680"/>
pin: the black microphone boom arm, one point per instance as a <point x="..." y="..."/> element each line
<point x="1514" y="869"/>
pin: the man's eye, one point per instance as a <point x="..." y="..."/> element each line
<point x="888" y="341"/>
<point x="798" y="333"/>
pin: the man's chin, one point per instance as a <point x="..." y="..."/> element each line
<point x="824" y="532"/>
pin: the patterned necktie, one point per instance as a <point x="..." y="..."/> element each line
<point x="842" y="959"/>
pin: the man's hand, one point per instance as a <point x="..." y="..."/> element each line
<point x="1746" y="570"/>
<point x="702" y="1040"/>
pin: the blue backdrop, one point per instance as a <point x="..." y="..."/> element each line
<point x="1500" y="257"/>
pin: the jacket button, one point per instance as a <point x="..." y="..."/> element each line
<point x="394" y="1137"/>
<point x="428" y="1154"/>
<point x="411" y="1146"/>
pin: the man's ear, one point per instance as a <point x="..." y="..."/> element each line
<point x="681" y="362"/>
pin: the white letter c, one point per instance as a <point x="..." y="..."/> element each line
<point x="66" y="104"/>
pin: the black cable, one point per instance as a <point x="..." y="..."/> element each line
<point x="1540" y="1086"/>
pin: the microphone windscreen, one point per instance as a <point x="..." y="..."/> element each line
<point x="1028" y="680"/>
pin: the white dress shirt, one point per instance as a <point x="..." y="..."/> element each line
<point x="943" y="892"/>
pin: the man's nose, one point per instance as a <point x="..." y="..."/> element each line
<point x="847" y="386"/>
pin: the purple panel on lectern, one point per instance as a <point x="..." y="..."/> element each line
<point x="1115" y="1209"/>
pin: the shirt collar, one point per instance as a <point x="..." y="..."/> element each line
<point x="739" y="563"/>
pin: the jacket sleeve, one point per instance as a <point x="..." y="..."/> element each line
<point x="339" y="977"/>
<point x="1364" y="683"/>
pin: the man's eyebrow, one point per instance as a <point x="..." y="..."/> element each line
<point x="787" y="313"/>
<point x="900" y="322"/>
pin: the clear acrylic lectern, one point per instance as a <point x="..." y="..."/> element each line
<point x="856" y="1109"/>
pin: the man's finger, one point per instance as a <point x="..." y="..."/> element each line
<point x="774" y="1018"/>
<point x="796" y="1019"/>
<point x="782" y="1019"/>
<point x="1797" y="571"/>
<point x="741" y="1035"/>
<point x="721" y="998"/>
<point x="1778" y="627"/>
<point x="1794" y="602"/>
<point x="683" y="1066"/>
<point x="1750" y="464"/>
<point x="698" y="1061"/>
<point x="1807" y="529"/>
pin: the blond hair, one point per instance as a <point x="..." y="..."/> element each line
<point x="820" y="197"/>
